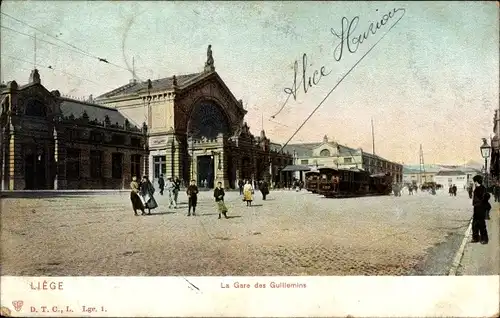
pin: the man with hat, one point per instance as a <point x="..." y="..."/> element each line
<point x="480" y="203"/>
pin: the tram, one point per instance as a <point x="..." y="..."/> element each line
<point x="312" y="181"/>
<point x="344" y="183"/>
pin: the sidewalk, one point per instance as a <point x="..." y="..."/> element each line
<point x="479" y="259"/>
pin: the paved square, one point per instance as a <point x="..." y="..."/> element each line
<point x="291" y="233"/>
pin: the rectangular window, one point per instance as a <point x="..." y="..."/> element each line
<point x="304" y="162"/>
<point x="96" y="137"/>
<point x="118" y="139"/>
<point x="116" y="165"/>
<point x="135" y="142"/>
<point x="160" y="166"/>
<point x="95" y="163"/>
<point x="72" y="164"/>
<point x="135" y="166"/>
<point x="347" y="160"/>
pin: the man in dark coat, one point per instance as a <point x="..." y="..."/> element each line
<point x="264" y="189"/>
<point x="161" y="184"/>
<point x="192" y="192"/>
<point x="479" y="202"/>
<point x="241" y="183"/>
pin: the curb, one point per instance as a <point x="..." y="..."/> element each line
<point x="460" y="252"/>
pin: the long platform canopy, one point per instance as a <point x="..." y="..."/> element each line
<point x="296" y="168"/>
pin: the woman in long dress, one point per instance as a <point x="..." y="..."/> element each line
<point x="135" y="198"/>
<point x="248" y="193"/>
<point x="147" y="191"/>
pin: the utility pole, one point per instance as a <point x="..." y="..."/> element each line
<point x="373" y="138"/>
<point x="422" y="166"/>
<point x="34" y="53"/>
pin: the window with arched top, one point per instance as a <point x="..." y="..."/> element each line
<point x="325" y="153"/>
<point x="35" y="108"/>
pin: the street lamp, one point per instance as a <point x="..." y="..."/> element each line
<point x="485" y="152"/>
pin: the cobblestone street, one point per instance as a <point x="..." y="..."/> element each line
<point x="291" y="233"/>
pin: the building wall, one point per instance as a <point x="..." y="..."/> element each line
<point x="459" y="180"/>
<point x="419" y="178"/>
<point x="158" y="114"/>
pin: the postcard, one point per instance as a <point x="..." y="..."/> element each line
<point x="249" y="159"/>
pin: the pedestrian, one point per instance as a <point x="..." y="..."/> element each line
<point x="264" y="189"/>
<point x="469" y="190"/>
<point x="247" y="193"/>
<point x="454" y="189"/>
<point x="134" y="196"/>
<point x="177" y="189"/>
<point x="480" y="204"/>
<point x="488" y="206"/>
<point x="147" y="191"/>
<point x="161" y="184"/>
<point x="240" y="185"/>
<point x="410" y="190"/>
<point x="192" y="192"/>
<point x="219" y="200"/>
<point x="496" y="192"/>
<point x="170" y="186"/>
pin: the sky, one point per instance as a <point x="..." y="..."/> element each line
<point x="428" y="75"/>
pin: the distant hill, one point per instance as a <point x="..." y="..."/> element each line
<point x="470" y="165"/>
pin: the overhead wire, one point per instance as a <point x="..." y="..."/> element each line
<point x="75" y="48"/>
<point x="51" y="68"/>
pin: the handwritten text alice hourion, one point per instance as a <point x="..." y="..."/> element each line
<point x="271" y="284"/>
<point x="349" y="42"/>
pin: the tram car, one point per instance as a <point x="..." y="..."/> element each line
<point x="312" y="181"/>
<point x="381" y="184"/>
<point x="325" y="184"/>
<point x="343" y="183"/>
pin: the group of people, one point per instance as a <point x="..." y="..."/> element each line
<point x="247" y="190"/>
<point x="452" y="191"/>
<point x="142" y="194"/>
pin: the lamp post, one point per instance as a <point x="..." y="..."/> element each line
<point x="485" y="152"/>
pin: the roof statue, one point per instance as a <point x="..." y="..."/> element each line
<point x="209" y="65"/>
<point x="174" y="81"/>
<point x="325" y="139"/>
<point x="34" y="77"/>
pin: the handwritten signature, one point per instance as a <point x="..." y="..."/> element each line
<point x="349" y="42"/>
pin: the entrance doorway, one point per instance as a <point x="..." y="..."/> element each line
<point x="34" y="171"/>
<point x="160" y="168"/>
<point x="205" y="168"/>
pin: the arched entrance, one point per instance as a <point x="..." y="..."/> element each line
<point x="207" y="122"/>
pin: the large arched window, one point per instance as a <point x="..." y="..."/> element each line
<point x="325" y="153"/>
<point x="35" y="108"/>
<point x="208" y="120"/>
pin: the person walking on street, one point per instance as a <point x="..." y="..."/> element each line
<point x="454" y="189"/>
<point x="248" y="193"/>
<point x="177" y="189"/>
<point x="170" y="186"/>
<point x="469" y="190"/>
<point x="161" y="184"/>
<point x="192" y="192"/>
<point x="240" y="185"/>
<point x="480" y="204"/>
<point x="496" y="192"/>
<point x="219" y="199"/>
<point x="147" y="191"/>
<point x="135" y="198"/>
<point x="264" y="189"/>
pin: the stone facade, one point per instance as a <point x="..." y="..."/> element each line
<point x="197" y="129"/>
<point x="52" y="142"/>
<point x="330" y="153"/>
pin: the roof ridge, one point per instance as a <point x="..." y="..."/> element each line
<point x="87" y="103"/>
